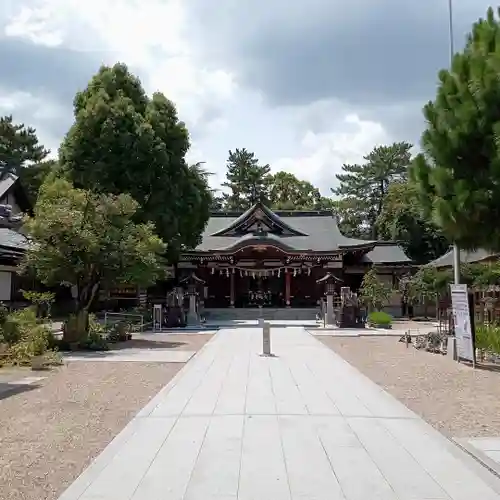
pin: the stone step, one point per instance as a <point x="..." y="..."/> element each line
<point x="235" y="314"/>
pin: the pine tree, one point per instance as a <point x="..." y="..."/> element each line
<point x="458" y="173"/>
<point x="19" y="147"/>
<point x="248" y="182"/>
<point x="364" y="187"/>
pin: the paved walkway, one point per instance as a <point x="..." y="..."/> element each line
<point x="302" y="426"/>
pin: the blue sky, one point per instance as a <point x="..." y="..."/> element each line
<point x="307" y="86"/>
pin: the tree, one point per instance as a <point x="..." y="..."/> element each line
<point x="373" y="292"/>
<point x="33" y="177"/>
<point x="88" y="240"/>
<point x="247" y="181"/>
<point x="458" y="173"/>
<point x="286" y="192"/>
<point x="402" y="219"/>
<point x="364" y="187"/>
<point x="429" y="284"/>
<point x="19" y="147"/>
<point x="122" y="141"/>
<point x="352" y="217"/>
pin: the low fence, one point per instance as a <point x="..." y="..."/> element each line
<point x="136" y="321"/>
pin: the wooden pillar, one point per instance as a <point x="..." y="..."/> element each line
<point x="288" y="278"/>
<point x="231" y="288"/>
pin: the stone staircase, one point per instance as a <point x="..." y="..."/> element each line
<point x="275" y="314"/>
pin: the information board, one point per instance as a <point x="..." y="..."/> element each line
<point x="462" y="320"/>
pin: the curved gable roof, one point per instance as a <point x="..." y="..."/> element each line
<point x="259" y="213"/>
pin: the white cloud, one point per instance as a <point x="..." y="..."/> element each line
<point x="32" y="111"/>
<point x="322" y="154"/>
<point x="153" y="37"/>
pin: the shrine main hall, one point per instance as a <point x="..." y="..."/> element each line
<point x="277" y="257"/>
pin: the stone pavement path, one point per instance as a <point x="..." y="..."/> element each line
<point x="304" y="425"/>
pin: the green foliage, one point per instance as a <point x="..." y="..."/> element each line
<point x="96" y="339"/>
<point x="363" y="187"/>
<point x="89" y="240"/>
<point x="488" y="338"/>
<point x="373" y="292"/>
<point x="286" y="192"/>
<point x="19" y="147"/>
<point x="402" y="219"/>
<point x="459" y="172"/>
<point x="25" y="336"/>
<point x="33" y="176"/>
<point x="480" y="274"/>
<point x="41" y="300"/>
<point x="122" y="141"/>
<point x="247" y="181"/>
<point x="379" y="318"/>
<point x="429" y="283"/>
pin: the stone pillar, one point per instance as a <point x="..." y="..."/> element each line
<point x="231" y="288"/>
<point x="330" y="315"/>
<point x="288" y="278"/>
<point x="193" y="318"/>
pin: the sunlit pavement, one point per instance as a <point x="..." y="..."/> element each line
<point x="301" y="425"/>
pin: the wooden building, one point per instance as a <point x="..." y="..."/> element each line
<point x="276" y="257"/>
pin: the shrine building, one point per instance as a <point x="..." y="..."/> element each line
<point x="277" y="257"/>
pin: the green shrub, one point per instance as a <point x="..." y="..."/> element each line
<point x="96" y="339"/>
<point x="94" y="342"/>
<point x="119" y="331"/>
<point x="379" y="318"/>
<point x="26" y="336"/>
<point x="488" y="338"/>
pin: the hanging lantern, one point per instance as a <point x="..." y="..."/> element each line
<point x="309" y="271"/>
<point x="241" y="274"/>
<point x="294" y="273"/>
<point x="279" y="272"/>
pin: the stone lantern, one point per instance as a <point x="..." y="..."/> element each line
<point x="192" y="282"/>
<point x="329" y="281"/>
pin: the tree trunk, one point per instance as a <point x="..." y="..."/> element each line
<point x="77" y="327"/>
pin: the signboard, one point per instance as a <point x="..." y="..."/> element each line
<point x="462" y="319"/>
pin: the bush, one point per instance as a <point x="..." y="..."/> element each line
<point x="96" y="340"/>
<point x="120" y="331"/>
<point x="25" y="336"/>
<point x="379" y="318"/>
<point x="488" y="338"/>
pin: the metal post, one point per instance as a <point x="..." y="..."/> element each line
<point x="456" y="249"/>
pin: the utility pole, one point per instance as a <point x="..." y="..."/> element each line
<point x="456" y="249"/>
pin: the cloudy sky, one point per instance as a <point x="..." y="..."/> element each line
<point x="306" y="85"/>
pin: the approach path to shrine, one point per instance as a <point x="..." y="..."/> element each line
<point x="302" y="425"/>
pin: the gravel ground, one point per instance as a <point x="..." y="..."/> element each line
<point x="51" y="433"/>
<point x="454" y="398"/>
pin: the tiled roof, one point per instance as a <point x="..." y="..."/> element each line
<point x="318" y="230"/>
<point x="321" y="228"/>
<point x="6" y="183"/>
<point x="466" y="257"/>
<point x="12" y="239"/>
<point x="386" y="253"/>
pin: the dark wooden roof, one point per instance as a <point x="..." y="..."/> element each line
<point x="294" y="231"/>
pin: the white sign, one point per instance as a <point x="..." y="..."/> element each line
<point x="461" y="316"/>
